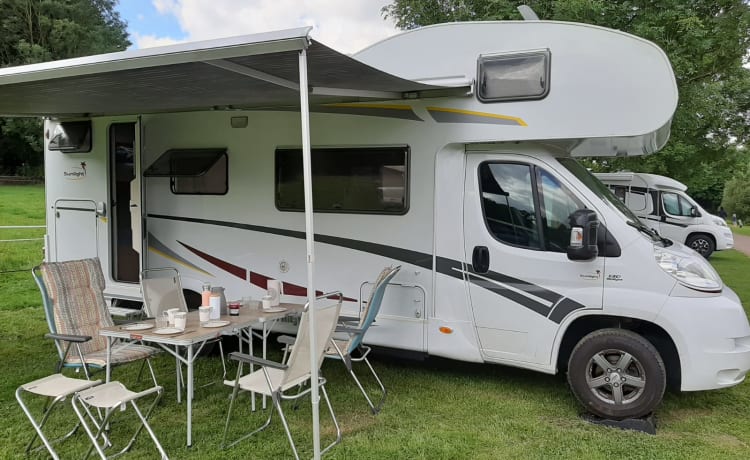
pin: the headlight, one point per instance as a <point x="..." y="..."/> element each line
<point x="692" y="271"/>
<point x="720" y="222"/>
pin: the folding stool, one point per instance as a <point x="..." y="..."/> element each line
<point x="109" y="398"/>
<point x="56" y="388"/>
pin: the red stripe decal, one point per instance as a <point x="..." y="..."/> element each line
<point x="255" y="278"/>
<point x="235" y="270"/>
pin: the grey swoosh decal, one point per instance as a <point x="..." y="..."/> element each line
<point x="453" y="268"/>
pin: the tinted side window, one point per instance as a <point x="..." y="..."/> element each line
<point x="215" y="181"/>
<point x="557" y="203"/>
<point x="370" y="180"/>
<point x="508" y="203"/>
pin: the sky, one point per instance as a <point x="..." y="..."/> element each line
<point x="344" y="25"/>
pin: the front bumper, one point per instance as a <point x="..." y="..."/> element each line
<point x="725" y="240"/>
<point x="712" y="336"/>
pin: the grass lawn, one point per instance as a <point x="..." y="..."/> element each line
<point x="435" y="409"/>
<point x="745" y="230"/>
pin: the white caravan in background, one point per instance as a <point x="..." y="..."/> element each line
<point x="448" y="150"/>
<point x="661" y="203"/>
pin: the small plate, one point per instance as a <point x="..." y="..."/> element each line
<point x="273" y="310"/>
<point x="137" y="327"/>
<point x="215" y="323"/>
<point x="167" y="331"/>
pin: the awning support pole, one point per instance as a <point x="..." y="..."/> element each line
<point x="310" y="240"/>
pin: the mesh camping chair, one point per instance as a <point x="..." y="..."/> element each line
<point x="162" y="290"/>
<point x="275" y="379"/>
<point x="352" y="350"/>
<point x="73" y="297"/>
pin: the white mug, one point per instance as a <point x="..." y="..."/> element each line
<point x="274" y="291"/>
<point x="170" y="315"/>
<point x="267" y="302"/>
<point x="180" y="320"/>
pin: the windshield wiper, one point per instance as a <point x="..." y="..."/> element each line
<point x="653" y="234"/>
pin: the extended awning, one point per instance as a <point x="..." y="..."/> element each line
<point x="252" y="71"/>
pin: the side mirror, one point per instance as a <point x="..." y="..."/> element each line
<point x="583" y="228"/>
<point x="693" y="211"/>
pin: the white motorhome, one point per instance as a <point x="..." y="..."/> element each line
<point x="448" y="150"/>
<point x="661" y="203"/>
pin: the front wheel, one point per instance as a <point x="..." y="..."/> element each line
<point x="617" y="374"/>
<point x="702" y="244"/>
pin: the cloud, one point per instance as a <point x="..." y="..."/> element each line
<point x="150" y="41"/>
<point x="345" y="25"/>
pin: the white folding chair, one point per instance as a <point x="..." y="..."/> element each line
<point x="111" y="398"/>
<point x="275" y="379"/>
<point x="56" y="388"/>
<point x="162" y="289"/>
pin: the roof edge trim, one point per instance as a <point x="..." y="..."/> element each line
<point x="245" y="45"/>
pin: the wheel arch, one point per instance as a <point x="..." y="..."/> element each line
<point x="659" y="338"/>
<point x="701" y="232"/>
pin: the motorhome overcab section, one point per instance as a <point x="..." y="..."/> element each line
<point x="448" y="150"/>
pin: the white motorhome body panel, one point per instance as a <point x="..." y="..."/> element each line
<point x="600" y="80"/>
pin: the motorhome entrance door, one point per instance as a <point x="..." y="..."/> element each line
<point x="125" y="201"/>
<point x="519" y="278"/>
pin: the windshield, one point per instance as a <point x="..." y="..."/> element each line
<point x="601" y="190"/>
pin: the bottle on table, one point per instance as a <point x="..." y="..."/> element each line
<point x="206" y="294"/>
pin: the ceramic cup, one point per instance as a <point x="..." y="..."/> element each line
<point x="204" y="313"/>
<point x="267" y="302"/>
<point x="180" y="320"/>
<point x="170" y="315"/>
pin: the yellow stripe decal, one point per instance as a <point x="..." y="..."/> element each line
<point x="174" y="259"/>
<point x="478" y="114"/>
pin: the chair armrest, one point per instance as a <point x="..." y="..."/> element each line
<point x="349" y="330"/>
<point x="286" y="339"/>
<point x="253" y="360"/>
<point x="68" y="337"/>
<point x="348" y="319"/>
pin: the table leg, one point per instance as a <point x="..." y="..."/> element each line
<point x="189" y="396"/>
<point x="265" y="336"/>
<point x="252" y="366"/>
<point x="178" y="371"/>
<point x="108" y="371"/>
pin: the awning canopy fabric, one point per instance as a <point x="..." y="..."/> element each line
<point x="251" y="71"/>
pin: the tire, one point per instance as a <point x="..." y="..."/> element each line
<point x="593" y="374"/>
<point x="702" y="244"/>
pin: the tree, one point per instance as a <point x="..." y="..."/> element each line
<point x="707" y="42"/>
<point x="34" y="31"/>
<point x="737" y="196"/>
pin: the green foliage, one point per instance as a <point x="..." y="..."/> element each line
<point x="34" y="31"/>
<point x="737" y="197"/>
<point x="707" y="43"/>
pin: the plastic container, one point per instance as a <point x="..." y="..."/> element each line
<point x="223" y="300"/>
<point x="206" y="294"/>
<point x="215" y="303"/>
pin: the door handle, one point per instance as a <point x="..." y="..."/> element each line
<point x="480" y="259"/>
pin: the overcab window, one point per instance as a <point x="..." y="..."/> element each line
<point x="71" y="137"/>
<point x="193" y="171"/>
<point x="372" y="180"/>
<point x="517" y="76"/>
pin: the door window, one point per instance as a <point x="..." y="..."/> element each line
<point x="508" y="203"/>
<point x="526" y="206"/>
<point x="557" y="203"/>
<point x="676" y="205"/>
